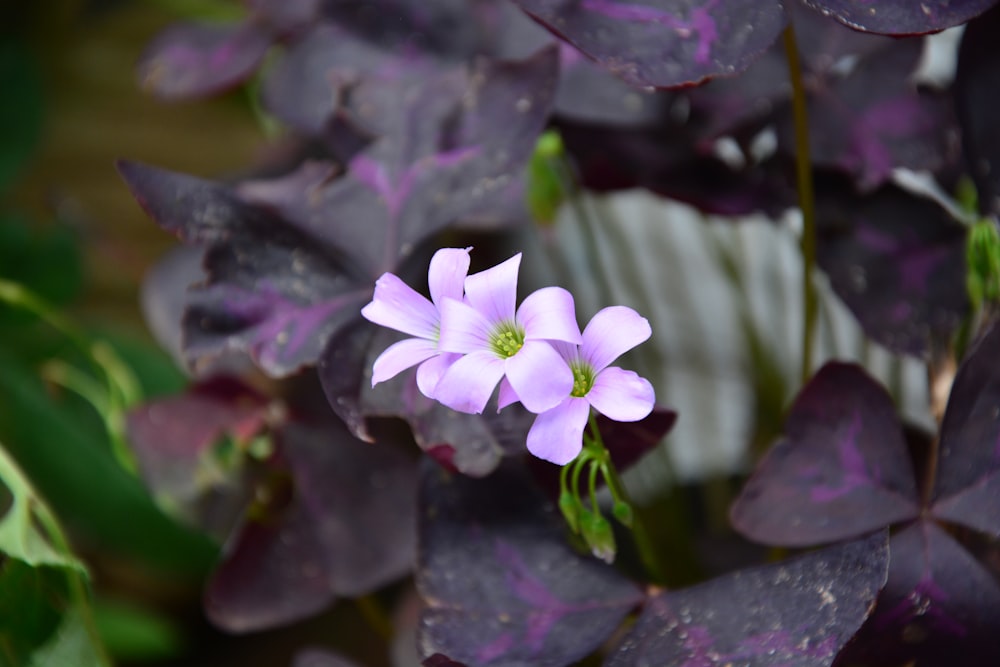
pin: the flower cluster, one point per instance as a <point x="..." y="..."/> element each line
<point x="471" y="337"/>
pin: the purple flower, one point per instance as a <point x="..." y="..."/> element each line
<point x="500" y="343"/>
<point x="398" y="306"/>
<point x="557" y="435"/>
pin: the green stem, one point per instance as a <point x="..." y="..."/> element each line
<point x="643" y="544"/>
<point x="807" y="200"/>
<point x="375" y="616"/>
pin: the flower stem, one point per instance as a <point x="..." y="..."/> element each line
<point x="807" y="200"/>
<point x="643" y="543"/>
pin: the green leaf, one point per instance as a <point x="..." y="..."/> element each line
<point x="71" y="646"/>
<point x="135" y="634"/>
<point x="32" y="601"/>
<point x="20" y="533"/>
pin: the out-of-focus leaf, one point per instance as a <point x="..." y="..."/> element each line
<point x="71" y="646"/>
<point x="901" y="17"/>
<point x="977" y="80"/>
<point x="22" y="113"/>
<point x="338" y="521"/>
<point x="134" y="633"/>
<point x="897" y="261"/>
<point x="798" y="613"/>
<point x="321" y="658"/>
<point x="32" y="602"/>
<point x="664" y="43"/>
<point x="938" y="607"/>
<point x="524" y="596"/>
<point x="841" y="469"/>
<point x="196" y="60"/>
<point x="68" y="461"/>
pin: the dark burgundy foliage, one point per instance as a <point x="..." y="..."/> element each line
<point x="977" y="81"/>
<point x="843" y="453"/>
<point x="190" y="61"/>
<point x="289" y="261"/>
<point x="500" y="582"/>
<point x="897" y="261"/>
<point x="664" y="43"/>
<point x="939" y="605"/>
<point x="335" y="518"/>
<point x="901" y="17"/>
<point x="841" y="469"/>
<point x="175" y="441"/>
<point x="798" y="613"/>
<point x="440" y="660"/>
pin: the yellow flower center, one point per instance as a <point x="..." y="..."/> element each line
<point x="507" y="340"/>
<point x="583" y="378"/>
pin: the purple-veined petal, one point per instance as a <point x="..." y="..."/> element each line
<point x="621" y="395"/>
<point x="463" y="328"/>
<point x="493" y="292"/>
<point x="400" y="356"/>
<point x="447" y="272"/>
<point x="432" y="370"/>
<point x="557" y="435"/>
<point x="549" y="314"/>
<point x="539" y="376"/>
<point x="398" y="306"/>
<point x="470" y="381"/>
<point x="506" y="395"/>
<point x="612" y="332"/>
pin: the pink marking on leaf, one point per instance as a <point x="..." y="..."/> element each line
<point x="856" y="472"/>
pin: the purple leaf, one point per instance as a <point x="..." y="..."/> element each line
<point x="285" y="16"/>
<point x="967" y="484"/>
<point x="523" y="595"/>
<point x="173" y="440"/>
<point x="841" y="469"/>
<point x="345" y="527"/>
<point x="798" y="613"/>
<point x="874" y="120"/>
<point x="897" y="261"/>
<point x="664" y="43"/>
<point x="939" y="603"/>
<point x="441" y="660"/>
<point x="273" y="290"/>
<point x="196" y="60"/>
<point x="901" y="17"/>
<point x="977" y="80"/>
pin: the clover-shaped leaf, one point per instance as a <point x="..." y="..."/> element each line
<point x="664" y="43"/>
<point x="897" y="261"/>
<point x="798" y="613"/>
<point x="901" y="17"/>
<point x="841" y="469"/>
<point x="939" y="602"/>
<point x="524" y="596"/>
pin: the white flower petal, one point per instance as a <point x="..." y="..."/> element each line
<point x="612" y="332"/>
<point x="506" y="395"/>
<point x="463" y="328"/>
<point x="431" y="371"/>
<point x="493" y="292"/>
<point x="469" y="383"/>
<point x="398" y="306"/>
<point x="621" y="395"/>
<point x="400" y="356"/>
<point x="539" y="376"/>
<point x="557" y="435"/>
<point x="446" y="274"/>
<point x="549" y="314"/>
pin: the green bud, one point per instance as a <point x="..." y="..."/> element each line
<point x="570" y="507"/>
<point x="545" y="190"/>
<point x="623" y="512"/>
<point x="982" y="253"/>
<point x="598" y="535"/>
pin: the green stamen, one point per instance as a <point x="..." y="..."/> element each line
<point x="507" y="340"/>
<point x="583" y="378"/>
